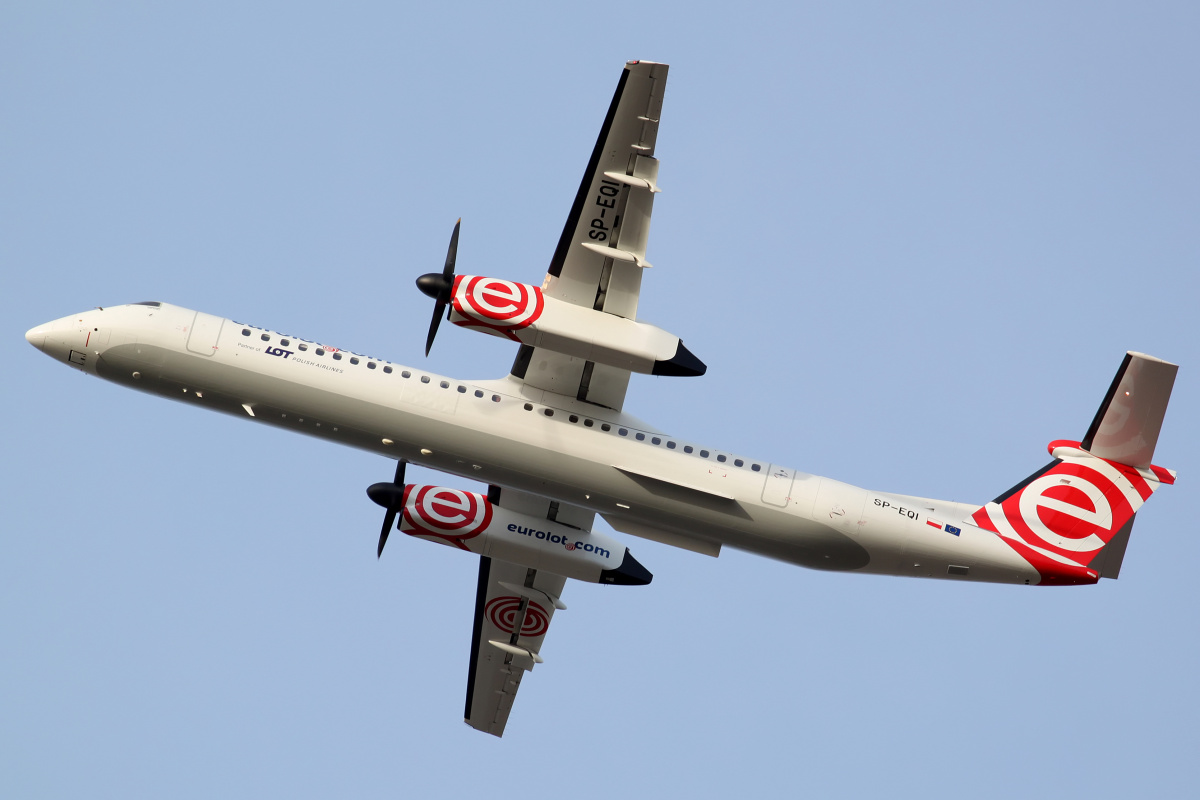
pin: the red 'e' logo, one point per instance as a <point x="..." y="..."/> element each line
<point x="501" y="306"/>
<point x="451" y="515"/>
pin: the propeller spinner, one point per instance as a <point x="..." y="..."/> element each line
<point x="440" y="286"/>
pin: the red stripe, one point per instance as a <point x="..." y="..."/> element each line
<point x="1136" y="480"/>
<point x="1164" y="476"/>
<point x="984" y="521"/>
<point x="1053" y="572"/>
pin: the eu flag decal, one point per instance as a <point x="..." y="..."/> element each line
<point x="953" y="530"/>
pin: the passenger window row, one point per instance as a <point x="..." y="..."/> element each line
<point x="320" y="351"/>
<point x="654" y="440"/>
<point x="549" y="412"/>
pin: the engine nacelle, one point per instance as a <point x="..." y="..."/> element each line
<point x="469" y="521"/>
<point x="523" y="313"/>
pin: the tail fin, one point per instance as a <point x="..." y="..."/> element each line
<point x="1071" y="519"/>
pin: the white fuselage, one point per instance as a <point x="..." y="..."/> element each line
<point x="642" y="481"/>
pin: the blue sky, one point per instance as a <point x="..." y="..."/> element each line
<point x="911" y="241"/>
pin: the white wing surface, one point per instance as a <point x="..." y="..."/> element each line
<point x="514" y="605"/>
<point x="602" y="251"/>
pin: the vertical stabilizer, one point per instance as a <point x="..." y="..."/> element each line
<point x="1071" y="519"/>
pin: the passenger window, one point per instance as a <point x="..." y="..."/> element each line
<point x="424" y="379"/>
<point x="670" y="445"/>
<point x="387" y="369"/>
<point x="265" y="337"/>
<point x="337" y="356"/>
<point x="604" y="426"/>
<point x="737" y="462"/>
<point x="704" y="454"/>
<point x="303" y="346"/>
<point x="353" y="360"/>
<point x="495" y="398"/>
<point x="479" y="393"/>
<point x="370" y="365"/>
<point x="623" y="432"/>
<point x="656" y="440"/>
<point x="573" y="418"/>
<point x="462" y="390"/>
<point x="687" y="448"/>
<point x="721" y="458"/>
<point x="445" y="384"/>
<point x="285" y="343"/>
<point x="319" y="351"/>
<point x="755" y="467"/>
<point x="641" y="437"/>
<point x="405" y="374"/>
<point x="245" y="331"/>
<point x="587" y="423"/>
<point x="529" y="406"/>
<point x="549" y="412"/>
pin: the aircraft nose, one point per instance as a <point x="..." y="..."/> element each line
<point x="57" y="338"/>
<point x="37" y="336"/>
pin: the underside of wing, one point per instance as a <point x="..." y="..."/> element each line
<point x="602" y="251"/>
<point x="514" y="604"/>
<point x="513" y="608"/>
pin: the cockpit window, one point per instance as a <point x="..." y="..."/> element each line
<point x="151" y="303"/>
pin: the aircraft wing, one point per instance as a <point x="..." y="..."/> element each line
<point x="513" y="608"/>
<point x="602" y="251"/>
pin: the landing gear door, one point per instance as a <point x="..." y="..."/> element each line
<point x="206" y="329"/>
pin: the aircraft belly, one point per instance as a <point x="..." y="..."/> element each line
<point x="503" y="444"/>
<point x="918" y="537"/>
<point x="817" y="522"/>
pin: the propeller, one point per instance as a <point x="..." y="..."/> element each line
<point x="391" y="497"/>
<point x="440" y="286"/>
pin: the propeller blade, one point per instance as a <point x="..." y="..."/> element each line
<point x="379" y="492"/>
<point x="389" y="519"/>
<point x="433" y="326"/>
<point x="452" y="251"/>
<point x="440" y="287"/>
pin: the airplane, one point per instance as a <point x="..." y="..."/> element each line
<point x="557" y="449"/>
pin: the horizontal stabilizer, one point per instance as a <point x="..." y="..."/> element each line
<point x="1126" y="427"/>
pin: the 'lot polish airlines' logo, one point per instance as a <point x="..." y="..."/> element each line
<point x="450" y="515"/>
<point x="503" y="612"/>
<point x="490" y="303"/>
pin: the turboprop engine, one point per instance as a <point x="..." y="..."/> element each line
<point x="523" y="313"/>
<point x="469" y="521"/>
